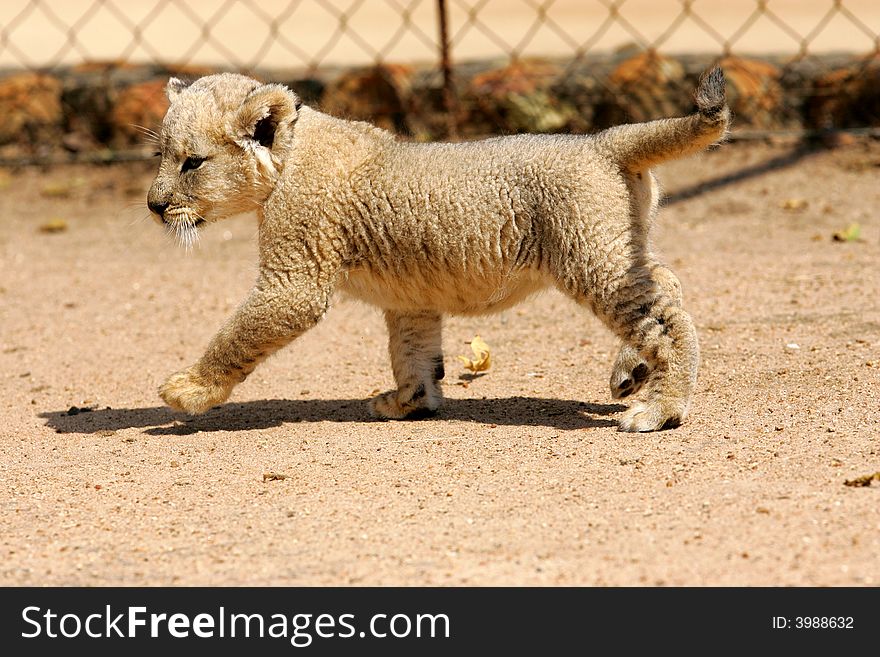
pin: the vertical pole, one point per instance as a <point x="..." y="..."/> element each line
<point x="450" y="100"/>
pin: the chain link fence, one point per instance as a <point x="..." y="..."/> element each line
<point x="439" y="68"/>
<point x="250" y="34"/>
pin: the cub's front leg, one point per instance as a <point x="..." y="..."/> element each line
<point x="278" y="310"/>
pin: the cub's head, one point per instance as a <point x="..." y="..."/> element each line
<point x="223" y="145"/>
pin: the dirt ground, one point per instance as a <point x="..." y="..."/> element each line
<point x="521" y="479"/>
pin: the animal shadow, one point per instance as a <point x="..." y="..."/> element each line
<point x="263" y="414"/>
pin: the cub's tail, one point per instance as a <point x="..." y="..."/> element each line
<point x="640" y="146"/>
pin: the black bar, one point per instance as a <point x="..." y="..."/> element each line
<point x="511" y="620"/>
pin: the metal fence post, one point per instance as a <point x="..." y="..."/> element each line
<point x="450" y="98"/>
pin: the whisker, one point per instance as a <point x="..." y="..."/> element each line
<point x="192" y="237"/>
<point x="148" y="138"/>
<point x="145" y="131"/>
<point x="135" y="213"/>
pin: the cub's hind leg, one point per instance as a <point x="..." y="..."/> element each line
<point x="415" y="346"/>
<point x="630" y="370"/>
<point x="655" y="325"/>
<point x="652" y="322"/>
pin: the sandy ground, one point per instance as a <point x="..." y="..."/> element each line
<point x="309" y="32"/>
<point x="522" y="479"/>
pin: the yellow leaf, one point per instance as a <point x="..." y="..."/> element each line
<point x="794" y="204"/>
<point x="852" y="233"/>
<point x="482" y="360"/>
<point x="54" y="226"/>
<point x="62" y="188"/>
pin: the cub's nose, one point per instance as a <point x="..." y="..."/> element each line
<point x="157" y="207"/>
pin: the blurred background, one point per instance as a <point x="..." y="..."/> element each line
<point x="77" y="76"/>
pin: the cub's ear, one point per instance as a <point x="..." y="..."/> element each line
<point x="263" y="113"/>
<point x="174" y="87"/>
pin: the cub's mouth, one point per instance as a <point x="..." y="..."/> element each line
<point x="182" y="215"/>
<point x="194" y="224"/>
<point x="183" y="226"/>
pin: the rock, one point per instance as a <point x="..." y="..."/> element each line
<point x="89" y="99"/>
<point x="846" y="97"/>
<point x="189" y="72"/>
<point x="310" y="90"/>
<point x="102" y="66"/>
<point x="642" y="88"/>
<point x="380" y="94"/>
<point x="519" y="98"/>
<point x="138" y="107"/>
<point x="30" y="112"/>
<point x="754" y="92"/>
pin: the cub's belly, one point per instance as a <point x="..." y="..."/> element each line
<point x="462" y="295"/>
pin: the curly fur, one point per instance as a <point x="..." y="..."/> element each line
<point x="422" y="230"/>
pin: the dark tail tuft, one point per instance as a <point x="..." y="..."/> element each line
<point x="710" y="95"/>
<point x="640" y="146"/>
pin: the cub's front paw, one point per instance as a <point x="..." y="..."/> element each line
<point x="187" y="391"/>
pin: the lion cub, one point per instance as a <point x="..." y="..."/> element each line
<point x="421" y="230"/>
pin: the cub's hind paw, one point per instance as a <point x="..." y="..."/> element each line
<point x="418" y="404"/>
<point x="187" y="391"/>
<point x="651" y="416"/>
<point x="629" y="373"/>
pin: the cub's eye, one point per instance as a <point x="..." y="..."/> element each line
<point x="192" y="163"/>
